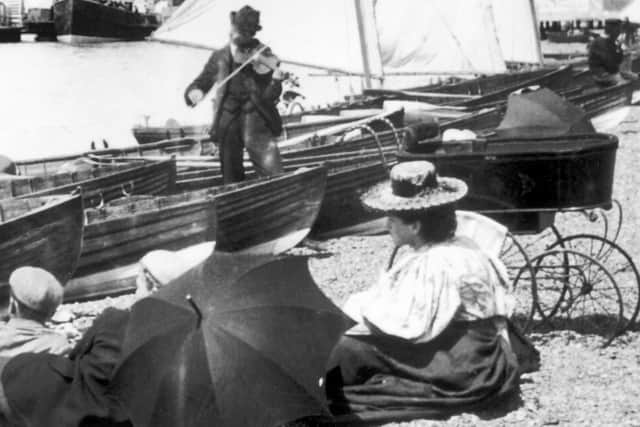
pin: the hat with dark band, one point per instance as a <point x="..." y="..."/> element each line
<point x="246" y="20"/>
<point x="414" y="186"/>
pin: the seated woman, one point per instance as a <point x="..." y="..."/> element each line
<point x="432" y="336"/>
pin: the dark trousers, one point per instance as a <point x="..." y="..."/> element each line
<point x="239" y="130"/>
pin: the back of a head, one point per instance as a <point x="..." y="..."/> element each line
<point x="36" y="291"/>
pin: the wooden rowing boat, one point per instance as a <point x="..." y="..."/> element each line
<point x="43" y="232"/>
<point x="199" y="172"/>
<point x="98" y="184"/>
<point x="236" y="216"/>
<point x="304" y="125"/>
<point x="482" y="90"/>
<point x="175" y="147"/>
<point x="346" y="182"/>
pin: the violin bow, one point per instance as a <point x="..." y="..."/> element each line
<point x="244" y="64"/>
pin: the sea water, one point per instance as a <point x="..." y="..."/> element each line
<point x="57" y="98"/>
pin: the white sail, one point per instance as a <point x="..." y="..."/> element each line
<point x="437" y="36"/>
<point x="318" y="37"/>
<point x="321" y="34"/>
<point x="517" y="29"/>
<point x="397" y="42"/>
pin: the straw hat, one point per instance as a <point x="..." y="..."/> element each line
<point x="36" y="289"/>
<point x="414" y="186"/>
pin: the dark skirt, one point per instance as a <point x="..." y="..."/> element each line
<point x="467" y="367"/>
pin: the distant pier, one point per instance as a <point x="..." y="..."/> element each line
<point x="10" y="25"/>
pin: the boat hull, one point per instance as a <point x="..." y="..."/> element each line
<point x="291" y="129"/>
<point x="97" y="185"/>
<point x="236" y="216"/>
<point x="48" y="236"/>
<point x="281" y="206"/>
<point x="81" y="21"/>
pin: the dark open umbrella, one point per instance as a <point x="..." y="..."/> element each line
<point x="238" y="341"/>
<point x="542" y="113"/>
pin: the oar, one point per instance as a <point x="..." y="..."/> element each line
<point x="389" y="92"/>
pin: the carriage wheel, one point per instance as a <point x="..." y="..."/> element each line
<point x="591" y="300"/>
<point x="618" y="263"/>
<point x="598" y="222"/>
<point x="521" y="277"/>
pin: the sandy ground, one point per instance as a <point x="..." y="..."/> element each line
<point x="578" y="384"/>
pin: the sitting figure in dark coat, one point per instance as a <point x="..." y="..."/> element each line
<point x="35" y="296"/>
<point x="38" y="389"/>
<point x="432" y="336"/>
<point x="606" y="56"/>
<point x="245" y="108"/>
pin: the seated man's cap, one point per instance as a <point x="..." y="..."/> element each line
<point x="36" y="289"/>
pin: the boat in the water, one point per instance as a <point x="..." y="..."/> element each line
<point x="238" y="216"/>
<point x="88" y="21"/>
<point x="98" y="183"/>
<point x="43" y="232"/>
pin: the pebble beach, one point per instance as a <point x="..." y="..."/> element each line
<point x="579" y="383"/>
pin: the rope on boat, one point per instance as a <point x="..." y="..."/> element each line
<point x="124" y="189"/>
<point x="378" y="143"/>
<point x="393" y="129"/>
<point x="392" y="257"/>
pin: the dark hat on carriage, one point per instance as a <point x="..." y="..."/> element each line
<point x="611" y="24"/>
<point x="246" y="20"/>
<point x="414" y="186"/>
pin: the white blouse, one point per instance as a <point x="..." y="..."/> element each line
<point x="424" y="291"/>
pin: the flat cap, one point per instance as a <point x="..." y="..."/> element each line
<point x="36" y="289"/>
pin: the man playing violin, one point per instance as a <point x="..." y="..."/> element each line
<point x="247" y="84"/>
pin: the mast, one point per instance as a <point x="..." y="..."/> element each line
<point x="363" y="44"/>
<point x="536" y="25"/>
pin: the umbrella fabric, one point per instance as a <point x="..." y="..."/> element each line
<point x="542" y="113"/>
<point x="255" y="355"/>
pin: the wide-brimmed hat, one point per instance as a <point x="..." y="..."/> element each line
<point x="36" y="289"/>
<point x="414" y="186"/>
<point x="246" y="20"/>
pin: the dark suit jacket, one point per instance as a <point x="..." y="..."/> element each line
<point x="47" y="390"/>
<point x="604" y="56"/>
<point x="264" y="97"/>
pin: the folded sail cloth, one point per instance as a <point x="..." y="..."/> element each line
<point x="428" y="289"/>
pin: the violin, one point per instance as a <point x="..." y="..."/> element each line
<point x="261" y="62"/>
